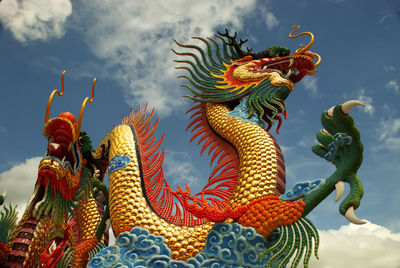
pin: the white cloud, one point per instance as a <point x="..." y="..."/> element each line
<point x="389" y="68"/>
<point x="310" y="84"/>
<point x="389" y="138"/>
<point x="271" y="20"/>
<point x="393" y="85"/>
<point x="389" y="128"/>
<point x="31" y="20"/>
<point x="136" y="37"/>
<point x="179" y="169"/>
<point x="358" y="246"/>
<point x="361" y="96"/>
<point x="286" y="149"/>
<point x="384" y="17"/>
<point x="307" y="141"/>
<point x="19" y="181"/>
<point x="3" y="129"/>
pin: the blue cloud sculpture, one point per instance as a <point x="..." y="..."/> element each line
<point x="227" y="245"/>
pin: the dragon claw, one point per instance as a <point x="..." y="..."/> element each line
<point x="340" y="144"/>
<point x="339" y="190"/>
<point x="351" y="217"/>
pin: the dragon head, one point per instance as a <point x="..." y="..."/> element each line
<point x="264" y="79"/>
<point x="59" y="184"/>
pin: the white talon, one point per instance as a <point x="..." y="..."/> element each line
<point x="346" y="107"/>
<point x="5" y="194"/>
<point x="330" y="111"/>
<point x="351" y="217"/>
<point x="339" y="190"/>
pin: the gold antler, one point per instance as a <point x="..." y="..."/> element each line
<point x="46" y="117"/>
<point x="304" y="49"/>
<point x="83" y="107"/>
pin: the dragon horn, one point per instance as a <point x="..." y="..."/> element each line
<point x="319" y="59"/>
<point x="304" y="49"/>
<point x="46" y="117"/>
<point x="235" y="44"/>
<point x="83" y="106"/>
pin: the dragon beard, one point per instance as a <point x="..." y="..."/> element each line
<point x="262" y="106"/>
<point x="268" y="101"/>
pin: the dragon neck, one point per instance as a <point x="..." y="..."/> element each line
<point x="261" y="166"/>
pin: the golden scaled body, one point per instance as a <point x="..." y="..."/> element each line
<point x="129" y="207"/>
<point x="257" y="154"/>
<point x="44" y="233"/>
<point x="88" y="217"/>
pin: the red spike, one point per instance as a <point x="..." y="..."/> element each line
<point x="178" y="212"/>
<point x="138" y="112"/>
<point x="204" y="137"/>
<point x="221" y="176"/>
<point x="153" y="194"/>
<point x="269" y="126"/>
<point x="205" y="145"/>
<point x="199" y="132"/>
<point x="163" y="200"/>
<point x="146" y="123"/>
<point x="216" y="153"/>
<point x="221" y="164"/>
<point x="148" y="143"/>
<point x="196" y="114"/>
<point x="149" y="151"/>
<point x="213" y="146"/>
<point x="143" y="129"/>
<point x="200" y="124"/>
<point x="156" y="162"/>
<point x="150" y="132"/>
<point x="198" y="106"/>
<point x="279" y="123"/>
<point x="193" y="122"/>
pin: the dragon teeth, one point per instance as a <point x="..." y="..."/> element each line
<point x="55" y="145"/>
<point x="291" y="62"/>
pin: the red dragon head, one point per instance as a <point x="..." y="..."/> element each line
<point x="60" y="169"/>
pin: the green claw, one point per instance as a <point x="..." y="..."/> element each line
<point x="341" y="145"/>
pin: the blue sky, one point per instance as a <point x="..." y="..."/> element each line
<point x="126" y="45"/>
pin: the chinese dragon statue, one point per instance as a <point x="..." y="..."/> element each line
<point x="242" y="217"/>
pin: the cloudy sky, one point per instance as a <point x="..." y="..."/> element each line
<point x="126" y="45"/>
